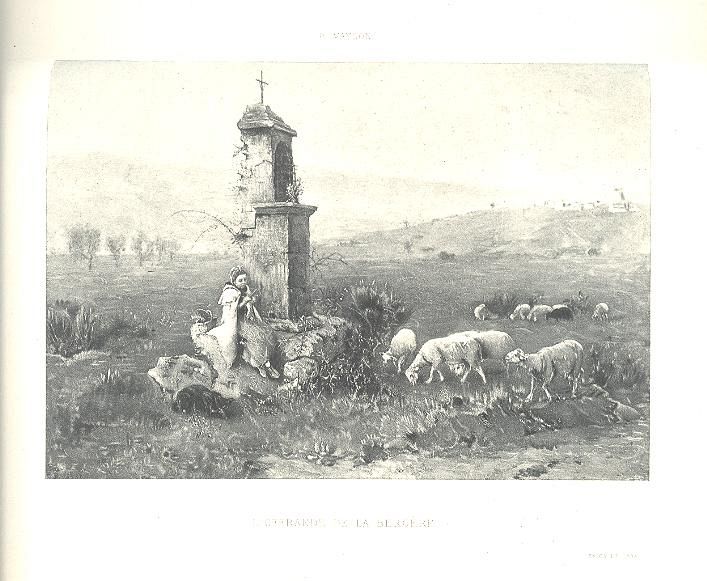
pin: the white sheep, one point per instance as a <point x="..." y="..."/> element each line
<point x="601" y="312"/>
<point x="564" y="358"/>
<point x="495" y="345"/>
<point x="539" y="312"/>
<point x="449" y="350"/>
<point x="402" y="346"/>
<point x="520" y="312"/>
<point x="482" y="313"/>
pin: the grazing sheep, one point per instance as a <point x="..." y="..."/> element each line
<point x="447" y="350"/>
<point x="560" y="313"/>
<point x="601" y="312"/>
<point x="539" y="312"/>
<point x="482" y="313"/>
<point x="520" y="312"/>
<point x="564" y="358"/>
<point x="402" y="346"/>
<point x="495" y="345"/>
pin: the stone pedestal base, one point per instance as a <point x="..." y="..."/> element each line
<point x="277" y="259"/>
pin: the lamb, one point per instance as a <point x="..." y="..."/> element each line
<point x="563" y="358"/>
<point x="482" y="313"/>
<point x="539" y="312"/>
<point x="560" y="313"/>
<point x="601" y="312"/>
<point x="494" y="347"/>
<point x="402" y="346"/>
<point x="448" y="350"/>
<point x="520" y="312"/>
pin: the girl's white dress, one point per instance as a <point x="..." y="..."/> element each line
<point x="227" y="332"/>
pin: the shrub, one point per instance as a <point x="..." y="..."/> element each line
<point x="371" y="449"/>
<point x="376" y="309"/>
<point x="329" y="300"/>
<point x="502" y="304"/>
<point x="448" y="256"/>
<point x="71" y="328"/>
<point x="125" y="324"/>
<point x="579" y="303"/>
<point x="354" y="372"/>
<point x="606" y="367"/>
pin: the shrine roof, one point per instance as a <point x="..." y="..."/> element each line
<point x="261" y="116"/>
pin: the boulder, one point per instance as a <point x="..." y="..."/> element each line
<point x="173" y="374"/>
<point x="298" y="372"/>
<point x="324" y="342"/>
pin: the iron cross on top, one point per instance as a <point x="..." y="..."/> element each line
<point x="262" y="82"/>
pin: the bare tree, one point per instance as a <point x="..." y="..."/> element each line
<point x="116" y="246"/>
<point x="84" y="242"/>
<point x="319" y="262"/>
<point x="171" y="248"/>
<point x="142" y="247"/>
<point x="237" y="235"/>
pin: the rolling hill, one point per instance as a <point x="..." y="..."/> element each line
<point x="523" y="232"/>
<point x="122" y="196"/>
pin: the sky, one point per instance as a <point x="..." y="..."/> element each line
<point x="528" y="131"/>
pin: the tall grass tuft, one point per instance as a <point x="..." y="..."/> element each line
<point x="579" y="303"/>
<point x="607" y="368"/>
<point x="503" y="304"/>
<point x="376" y="309"/>
<point x="71" y="328"/>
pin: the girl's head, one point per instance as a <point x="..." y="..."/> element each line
<point x="239" y="277"/>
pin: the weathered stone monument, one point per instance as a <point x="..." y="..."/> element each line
<point x="277" y="248"/>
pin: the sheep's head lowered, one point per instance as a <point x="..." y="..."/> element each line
<point x="515" y="356"/>
<point x="458" y="369"/>
<point x="412" y="375"/>
<point x="387" y="357"/>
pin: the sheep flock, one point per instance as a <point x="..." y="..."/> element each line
<point x="462" y="352"/>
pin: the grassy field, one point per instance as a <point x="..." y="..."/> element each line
<point x="107" y="419"/>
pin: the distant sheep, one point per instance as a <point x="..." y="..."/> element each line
<point x="560" y="313"/>
<point x="539" y="312"/>
<point x="601" y="312"/>
<point x="495" y="345"/>
<point x="402" y="346"/>
<point x="482" y="313"/>
<point x="449" y="350"/>
<point x="521" y="312"/>
<point x="564" y="358"/>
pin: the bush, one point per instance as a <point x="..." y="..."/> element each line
<point x="606" y="367"/>
<point x="375" y="309"/>
<point x="354" y="372"/>
<point x="448" y="256"/>
<point x="502" y="304"/>
<point x="71" y="328"/>
<point x="329" y="300"/>
<point x="125" y="324"/>
<point x="579" y="303"/>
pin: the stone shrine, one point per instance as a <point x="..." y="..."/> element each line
<point x="275" y="224"/>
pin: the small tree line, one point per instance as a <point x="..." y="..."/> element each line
<point x="84" y="243"/>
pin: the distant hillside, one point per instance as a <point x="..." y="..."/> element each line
<point x="527" y="232"/>
<point x="120" y="195"/>
<point x="123" y="196"/>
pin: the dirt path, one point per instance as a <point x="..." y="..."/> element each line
<point x="618" y="452"/>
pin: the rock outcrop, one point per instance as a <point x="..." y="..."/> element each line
<point x="300" y="349"/>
